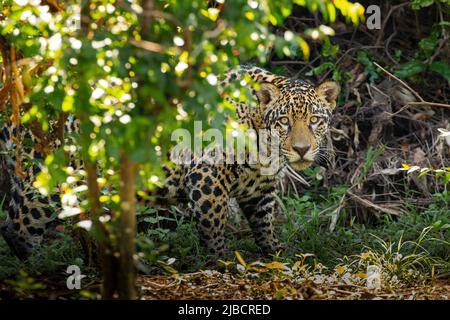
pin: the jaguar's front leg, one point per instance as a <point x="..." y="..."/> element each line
<point x="209" y="200"/>
<point x="260" y="213"/>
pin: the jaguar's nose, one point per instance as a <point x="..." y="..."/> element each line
<point x="301" y="148"/>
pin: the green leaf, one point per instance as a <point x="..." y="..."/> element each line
<point x="369" y="67"/>
<point x="418" y="4"/>
<point x="441" y="67"/>
<point x="328" y="49"/>
<point x="156" y="219"/>
<point x="429" y="44"/>
<point x="410" y="68"/>
<point x="331" y="11"/>
<point x="320" y="69"/>
<point x="239" y="258"/>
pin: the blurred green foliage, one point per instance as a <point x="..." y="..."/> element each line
<point x="141" y="70"/>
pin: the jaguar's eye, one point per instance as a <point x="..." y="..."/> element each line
<point x="313" y="120"/>
<point x="284" y="121"/>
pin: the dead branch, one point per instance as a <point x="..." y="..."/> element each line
<point x="372" y="205"/>
<point x="401" y="82"/>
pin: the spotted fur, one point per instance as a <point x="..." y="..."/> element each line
<point x="29" y="213"/>
<point x="300" y="113"/>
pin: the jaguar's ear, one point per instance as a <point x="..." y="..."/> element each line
<point x="267" y="93"/>
<point x="329" y="90"/>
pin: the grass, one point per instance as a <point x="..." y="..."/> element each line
<point x="52" y="260"/>
<point x="422" y="237"/>
<point x="406" y="247"/>
<point x="307" y="229"/>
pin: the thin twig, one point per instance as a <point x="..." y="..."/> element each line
<point x="288" y="62"/>
<point x="147" y="45"/>
<point x="401" y="81"/>
<point x="415" y="103"/>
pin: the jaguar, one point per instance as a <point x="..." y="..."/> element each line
<point x="296" y="111"/>
<point x="299" y="115"/>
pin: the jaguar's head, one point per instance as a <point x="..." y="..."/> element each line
<point x="300" y="114"/>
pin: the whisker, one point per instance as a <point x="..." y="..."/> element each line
<point x="292" y="182"/>
<point x="281" y="182"/>
<point x="297" y="177"/>
<point x="327" y="155"/>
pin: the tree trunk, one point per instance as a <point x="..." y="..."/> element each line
<point x="105" y="252"/>
<point x="127" y="245"/>
<point x="146" y="19"/>
<point x="106" y="256"/>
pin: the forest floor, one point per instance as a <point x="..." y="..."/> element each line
<point x="215" y="285"/>
<point x="393" y="259"/>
